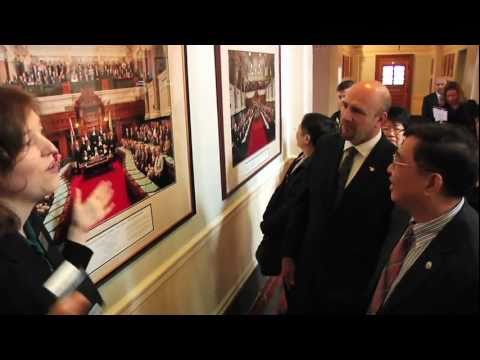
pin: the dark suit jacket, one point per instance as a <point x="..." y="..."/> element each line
<point x="23" y="272"/>
<point x="464" y="115"/>
<point x="275" y="217"/>
<point x="335" y="118"/>
<point x="338" y="248"/>
<point x="450" y="286"/>
<point x="429" y="102"/>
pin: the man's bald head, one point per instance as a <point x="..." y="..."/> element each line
<point x="440" y="83"/>
<point x="364" y="109"/>
<point x="379" y="93"/>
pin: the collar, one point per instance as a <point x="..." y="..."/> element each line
<point x="436" y="225"/>
<point x="365" y="148"/>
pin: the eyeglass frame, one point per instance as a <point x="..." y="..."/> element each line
<point x="396" y="162"/>
<point x="394" y="128"/>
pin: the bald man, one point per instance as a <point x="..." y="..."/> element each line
<point x="434" y="99"/>
<point x="338" y="225"/>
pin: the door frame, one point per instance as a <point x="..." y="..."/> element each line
<point x="409" y="79"/>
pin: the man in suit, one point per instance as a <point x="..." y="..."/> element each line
<point x="338" y="225"/>
<point x="429" y="264"/>
<point x="342" y="89"/>
<point x="435" y="99"/>
<point x="111" y="143"/>
<point x="94" y="137"/>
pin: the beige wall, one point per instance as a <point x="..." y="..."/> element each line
<point x="423" y="55"/>
<point x="421" y="81"/>
<point x="321" y="87"/>
<point x="297" y="88"/>
<point x="468" y="83"/>
<point x="474" y="93"/>
<point x="327" y="62"/>
<point x="328" y="59"/>
<point x="469" y="74"/>
<point x="199" y="268"/>
<point x="367" y="67"/>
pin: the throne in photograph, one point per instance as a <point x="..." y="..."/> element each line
<point x="90" y="113"/>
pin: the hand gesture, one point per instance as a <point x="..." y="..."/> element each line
<point x="86" y="214"/>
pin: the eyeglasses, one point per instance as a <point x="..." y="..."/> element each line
<point x="389" y="129"/>
<point x="399" y="163"/>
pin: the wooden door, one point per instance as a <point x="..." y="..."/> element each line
<point x="395" y="72"/>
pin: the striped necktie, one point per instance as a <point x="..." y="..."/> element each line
<point x="391" y="270"/>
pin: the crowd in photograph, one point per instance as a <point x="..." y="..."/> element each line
<point x="57" y="72"/>
<point x="94" y="146"/>
<point x="150" y="144"/>
<point x="241" y="122"/>
<point x="255" y="85"/>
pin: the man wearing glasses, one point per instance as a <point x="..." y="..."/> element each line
<point x="429" y="264"/>
<point x="435" y="99"/>
<point x="395" y="125"/>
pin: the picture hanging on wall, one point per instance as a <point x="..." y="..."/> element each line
<point x="249" y="110"/>
<point x="117" y="113"/>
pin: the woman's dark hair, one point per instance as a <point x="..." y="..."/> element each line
<point x="316" y="125"/>
<point x="399" y="115"/>
<point x="450" y="151"/>
<point x="453" y="85"/>
<point x="14" y="107"/>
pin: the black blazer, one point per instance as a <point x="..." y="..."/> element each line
<point x="338" y="248"/>
<point x="464" y="115"/>
<point x="23" y="272"/>
<point x="335" y="118"/>
<point x="450" y="286"/>
<point x="275" y="218"/>
<point x="429" y="102"/>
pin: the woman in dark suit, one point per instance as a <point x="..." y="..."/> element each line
<point x="29" y="170"/>
<point x="274" y="255"/>
<point x="460" y="112"/>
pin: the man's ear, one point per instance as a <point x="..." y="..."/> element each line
<point x="383" y="116"/>
<point x="434" y="184"/>
<point x="308" y="138"/>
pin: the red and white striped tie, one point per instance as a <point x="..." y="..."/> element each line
<point x="391" y="270"/>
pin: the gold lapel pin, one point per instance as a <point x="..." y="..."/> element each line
<point x="371" y="168"/>
<point x="428" y="265"/>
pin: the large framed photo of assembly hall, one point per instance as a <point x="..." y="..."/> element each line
<point x="249" y="110"/>
<point x="117" y="113"/>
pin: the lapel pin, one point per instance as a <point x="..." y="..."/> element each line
<point x="371" y="168"/>
<point x="428" y="265"/>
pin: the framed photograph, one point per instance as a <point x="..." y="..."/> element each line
<point x="249" y="110"/>
<point x="118" y="113"/>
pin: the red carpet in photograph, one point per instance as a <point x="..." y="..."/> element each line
<point x="258" y="136"/>
<point x="119" y="184"/>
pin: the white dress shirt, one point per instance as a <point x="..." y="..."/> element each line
<point x="363" y="150"/>
<point x="424" y="234"/>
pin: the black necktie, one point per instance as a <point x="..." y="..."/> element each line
<point x="343" y="173"/>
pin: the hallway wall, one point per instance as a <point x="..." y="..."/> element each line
<point x="422" y="71"/>
<point x="199" y="268"/>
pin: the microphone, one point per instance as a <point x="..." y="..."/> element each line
<point x="64" y="280"/>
